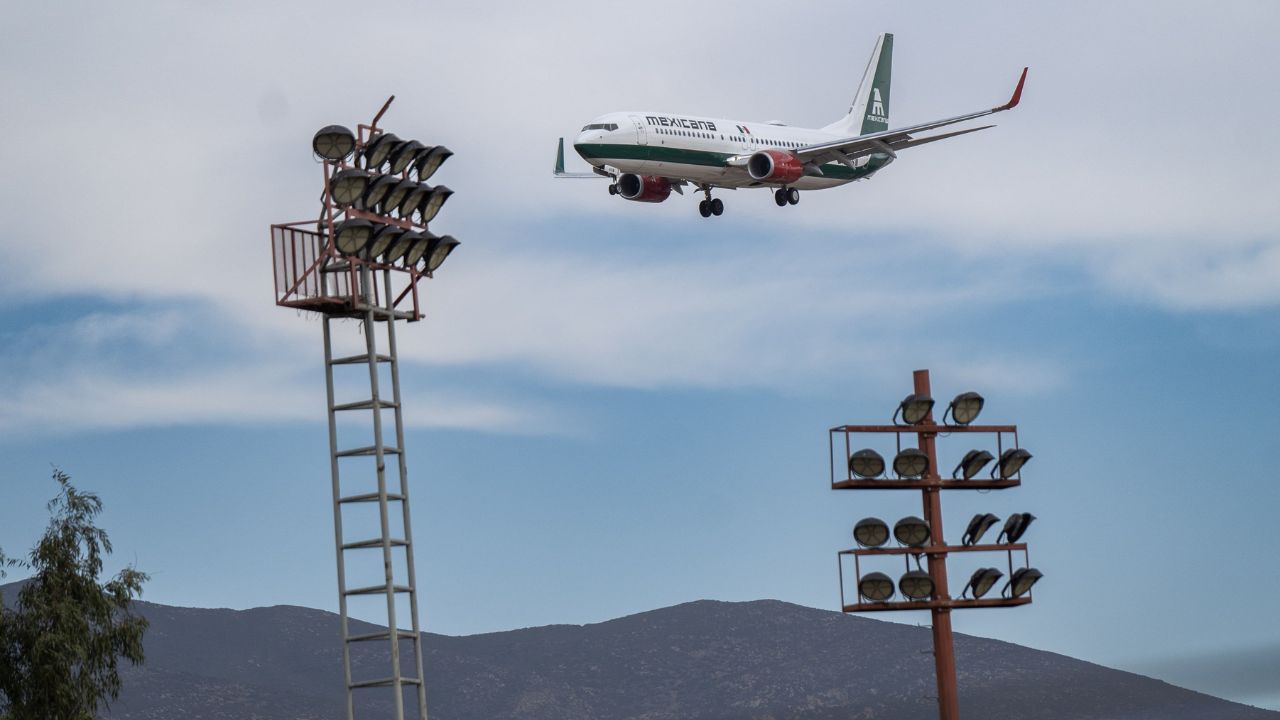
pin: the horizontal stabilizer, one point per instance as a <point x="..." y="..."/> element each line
<point x="559" y="171"/>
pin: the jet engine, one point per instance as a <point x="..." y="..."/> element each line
<point x="644" y="188"/>
<point x="775" y="166"/>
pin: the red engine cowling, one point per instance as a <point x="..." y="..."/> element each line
<point x="775" y="166"/>
<point x="644" y="188"/>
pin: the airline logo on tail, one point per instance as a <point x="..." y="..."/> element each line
<point x="877" y="107"/>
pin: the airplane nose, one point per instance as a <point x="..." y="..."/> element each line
<point x="580" y="148"/>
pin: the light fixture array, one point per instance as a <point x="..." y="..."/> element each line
<point x="912" y="533"/>
<point x="913" y="464"/>
<point x="385" y="178"/>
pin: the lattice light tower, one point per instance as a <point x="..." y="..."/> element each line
<point x="917" y="469"/>
<point x="362" y="261"/>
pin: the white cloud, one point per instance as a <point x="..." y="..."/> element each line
<point x="93" y="400"/>
<point x="156" y="149"/>
<point x="1228" y="275"/>
<point x="786" y="315"/>
<point x="111" y="371"/>
<point x="195" y="134"/>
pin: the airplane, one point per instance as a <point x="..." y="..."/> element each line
<point x="647" y="155"/>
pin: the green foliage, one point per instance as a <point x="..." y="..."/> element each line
<point x="60" y="644"/>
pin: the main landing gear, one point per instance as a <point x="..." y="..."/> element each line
<point x="710" y="206"/>
<point x="613" y="188"/>
<point x="784" y="196"/>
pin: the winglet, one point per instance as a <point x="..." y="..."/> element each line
<point x="560" y="154"/>
<point x="1017" y="93"/>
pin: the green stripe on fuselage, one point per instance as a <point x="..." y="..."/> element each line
<point x="708" y="158"/>
<point x="653" y="153"/>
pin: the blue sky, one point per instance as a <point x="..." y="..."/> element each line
<point x="615" y="407"/>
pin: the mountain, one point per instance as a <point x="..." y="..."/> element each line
<point x="761" y="660"/>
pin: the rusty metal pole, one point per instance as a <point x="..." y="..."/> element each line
<point x="944" y="654"/>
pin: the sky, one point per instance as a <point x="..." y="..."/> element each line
<point x="613" y="406"/>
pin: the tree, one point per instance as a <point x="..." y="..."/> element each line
<point x="60" y="643"/>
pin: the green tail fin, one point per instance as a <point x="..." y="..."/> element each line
<point x="875" y="116"/>
<point x="869" y="112"/>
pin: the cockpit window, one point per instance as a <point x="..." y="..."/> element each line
<point x="601" y="126"/>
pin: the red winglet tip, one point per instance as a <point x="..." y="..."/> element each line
<point x="1017" y="92"/>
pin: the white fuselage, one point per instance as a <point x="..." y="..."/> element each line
<point x="696" y="148"/>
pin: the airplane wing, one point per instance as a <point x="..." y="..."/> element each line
<point x="890" y="141"/>
<point x="560" y="173"/>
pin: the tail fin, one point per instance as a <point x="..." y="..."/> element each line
<point x="870" y="109"/>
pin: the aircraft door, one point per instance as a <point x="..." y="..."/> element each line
<point x="642" y="135"/>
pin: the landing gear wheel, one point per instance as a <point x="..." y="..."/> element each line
<point x="613" y="189"/>
<point x="717" y="207"/>
<point x="780" y="196"/>
<point x="704" y="208"/>
<point x="793" y="196"/>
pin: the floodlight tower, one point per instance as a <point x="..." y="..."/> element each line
<point x="362" y="261"/>
<point x="916" y="468"/>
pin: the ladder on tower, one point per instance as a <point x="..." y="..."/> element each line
<point x="389" y="497"/>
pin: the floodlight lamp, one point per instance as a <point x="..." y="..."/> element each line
<point x="378" y="190"/>
<point x="434" y="201"/>
<point x="351" y="236"/>
<point x="348" y="185"/>
<point x="430" y="160"/>
<point x="916" y="585"/>
<point x="982" y="581"/>
<point x="978" y="526"/>
<point x="1015" y="527"/>
<point x="383" y="236"/>
<point x="419" y="248"/>
<point x="871" y="532"/>
<point x="965" y="407"/>
<point x="413" y="199"/>
<point x="1011" y="461"/>
<point x="971" y="464"/>
<point x="438" y="251"/>
<point x="333" y="142"/>
<point x="875" y="587"/>
<point x="914" y="409"/>
<point x="911" y="463"/>
<point x="397" y="195"/>
<point x="911" y="531"/>
<point x="866" y="463"/>
<point x="378" y="150"/>
<point x="1022" y="580"/>
<point x="400" y="246"/>
<point x="403" y="154"/>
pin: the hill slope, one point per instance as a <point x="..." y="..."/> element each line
<point x="706" y="660"/>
